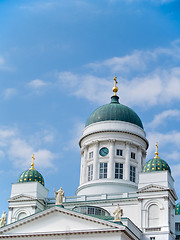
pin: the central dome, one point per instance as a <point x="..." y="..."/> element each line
<point x="114" y="111"/>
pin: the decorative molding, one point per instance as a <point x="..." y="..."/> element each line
<point x="104" y="131"/>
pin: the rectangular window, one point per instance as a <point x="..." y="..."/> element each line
<point x="119" y="152"/>
<point x="103" y="170"/>
<point x="152" y="238"/>
<point x="90" y="155"/>
<point x="90" y="172"/>
<point x="177" y="227"/>
<point x="133" y="155"/>
<point x="132" y="173"/>
<point x="119" y="170"/>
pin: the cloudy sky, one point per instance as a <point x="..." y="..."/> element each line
<point x="58" y="59"/>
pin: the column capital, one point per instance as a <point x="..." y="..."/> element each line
<point x="112" y="140"/>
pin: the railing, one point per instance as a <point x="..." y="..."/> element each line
<point x="94" y="197"/>
<point x="156" y="229"/>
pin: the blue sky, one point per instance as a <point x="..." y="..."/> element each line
<point x="57" y="64"/>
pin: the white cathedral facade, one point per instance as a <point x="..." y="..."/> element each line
<point x="114" y="173"/>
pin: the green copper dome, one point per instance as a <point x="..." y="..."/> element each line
<point x="177" y="209"/>
<point x="114" y="111"/>
<point x="156" y="164"/>
<point x="31" y="175"/>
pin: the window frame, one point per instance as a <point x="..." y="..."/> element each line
<point x="103" y="168"/>
<point x="120" y="151"/>
<point x="90" y="172"/>
<point x="133" y="155"/>
<point x="132" y="173"/>
<point x="118" y="173"/>
<point x="91" y="155"/>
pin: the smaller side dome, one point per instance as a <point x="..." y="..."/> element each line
<point x="31" y="175"/>
<point x="156" y="164"/>
<point x="177" y="209"/>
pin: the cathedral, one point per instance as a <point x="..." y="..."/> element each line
<point x="121" y="194"/>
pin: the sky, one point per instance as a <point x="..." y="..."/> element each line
<point x="58" y="59"/>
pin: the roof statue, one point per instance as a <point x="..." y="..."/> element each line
<point x="59" y="196"/>
<point x="118" y="213"/>
<point x="3" y="219"/>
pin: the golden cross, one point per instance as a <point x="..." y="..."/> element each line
<point x="32" y="164"/>
<point x="115" y="80"/>
<point x="115" y="88"/>
<point x="156" y="153"/>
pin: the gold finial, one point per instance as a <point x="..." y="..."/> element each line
<point x="115" y="88"/>
<point x="32" y="164"/>
<point x="156" y="153"/>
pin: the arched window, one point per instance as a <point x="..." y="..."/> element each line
<point x="153" y="216"/>
<point x="21" y="215"/>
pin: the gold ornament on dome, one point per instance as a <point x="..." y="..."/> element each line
<point x="32" y="164"/>
<point x="156" y="153"/>
<point x="115" y="88"/>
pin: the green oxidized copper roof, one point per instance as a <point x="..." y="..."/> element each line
<point x="114" y="111"/>
<point x="156" y="164"/>
<point x="177" y="209"/>
<point x="31" y="175"/>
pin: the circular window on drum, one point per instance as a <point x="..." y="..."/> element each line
<point x="104" y="151"/>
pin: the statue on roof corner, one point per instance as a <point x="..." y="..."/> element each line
<point x="3" y="219"/>
<point x="59" y="196"/>
<point x="118" y="213"/>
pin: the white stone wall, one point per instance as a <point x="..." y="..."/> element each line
<point x="112" y="135"/>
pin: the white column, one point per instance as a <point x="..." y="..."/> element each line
<point x="95" y="162"/>
<point x="10" y="215"/>
<point x="139" y="159"/>
<point x="84" y="166"/>
<point x="111" y="159"/>
<point x="127" y="161"/>
<point x="82" y="163"/>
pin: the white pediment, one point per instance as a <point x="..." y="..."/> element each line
<point x="57" y="219"/>
<point x="21" y="197"/>
<point x="152" y="188"/>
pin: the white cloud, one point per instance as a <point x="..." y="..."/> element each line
<point x="170" y="140"/>
<point x="85" y="86"/>
<point x="147" y="78"/>
<point x="158" y="87"/>
<point x="160" y="118"/>
<point x="45" y="158"/>
<point x="9" y="92"/>
<point x="118" y="64"/>
<point x="19" y="151"/>
<point x="37" y="83"/>
<point x="76" y="133"/>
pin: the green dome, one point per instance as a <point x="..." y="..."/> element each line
<point x="177" y="209"/>
<point x="114" y="111"/>
<point x="31" y="175"/>
<point x="156" y="164"/>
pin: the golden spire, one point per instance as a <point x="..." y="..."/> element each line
<point x="32" y="164"/>
<point x="156" y="153"/>
<point x="115" y="88"/>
